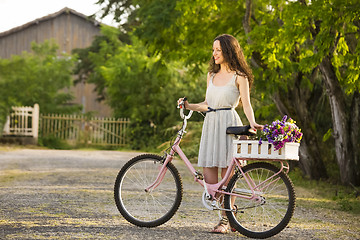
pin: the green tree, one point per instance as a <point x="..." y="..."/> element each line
<point x="136" y="84"/>
<point x="305" y="55"/>
<point x="311" y="41"/>
<point x="37" y="77"/>
<point x="91" y="58"/>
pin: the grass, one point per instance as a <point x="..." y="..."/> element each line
<point x="9" y="176"/>
<point x="325" y="194"/>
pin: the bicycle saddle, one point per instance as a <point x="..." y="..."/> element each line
<point x="241" y="130"/>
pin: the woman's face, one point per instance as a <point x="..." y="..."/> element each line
<point x="217" y="53"/>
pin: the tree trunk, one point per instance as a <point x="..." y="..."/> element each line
<point x="342" y="125"/>
<point x="355" y="136"/>
<point x="310" y="158"/>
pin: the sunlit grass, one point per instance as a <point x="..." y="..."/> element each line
<point x="323" y="194"/>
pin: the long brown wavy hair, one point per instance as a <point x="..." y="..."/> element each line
<point x="233" y="56"/>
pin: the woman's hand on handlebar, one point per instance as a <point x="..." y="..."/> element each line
<point x="182" y="102"/>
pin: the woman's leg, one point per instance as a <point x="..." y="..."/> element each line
<point x="232" y="198"/>
<point x="223" y="172"/>
<point x="211" y="177"/>
<point x="211" y="174"/>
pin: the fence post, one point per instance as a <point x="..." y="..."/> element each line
<point x="6" y="130"/>
<point x="35" y="122"/>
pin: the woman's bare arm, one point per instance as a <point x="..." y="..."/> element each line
<point x="243" y="85"/>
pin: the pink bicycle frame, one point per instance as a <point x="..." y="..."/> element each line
<point x="212" y="189"/>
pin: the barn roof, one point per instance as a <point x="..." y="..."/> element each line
<point x="65" y="10"/>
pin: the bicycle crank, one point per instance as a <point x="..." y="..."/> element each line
<point x="211" y="203"/>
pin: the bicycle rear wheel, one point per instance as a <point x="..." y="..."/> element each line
<point x="147" y="209"/>
<point x="271" y="211"/>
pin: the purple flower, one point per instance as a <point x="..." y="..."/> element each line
<point x="271" y="132"/>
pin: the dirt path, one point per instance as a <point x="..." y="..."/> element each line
<point x="57" y="194"/>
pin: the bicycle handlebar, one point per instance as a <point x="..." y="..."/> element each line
<point x="182" y="107"/>
<point x="183" y="116"/>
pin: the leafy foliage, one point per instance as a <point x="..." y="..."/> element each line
<point x="287" y="43"/>
<point x="37" y="77"/>
<point x="139" y="85"/>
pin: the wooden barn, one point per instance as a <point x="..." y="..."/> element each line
<point x="69" y="29"/>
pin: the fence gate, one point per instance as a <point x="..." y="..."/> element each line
<point x="80" y="129"/>
<point x="22" y="122"/>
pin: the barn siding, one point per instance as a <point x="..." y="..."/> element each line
<point x="69" y="29"/>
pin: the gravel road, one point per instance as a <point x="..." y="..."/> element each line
<point x="61" y="194"/>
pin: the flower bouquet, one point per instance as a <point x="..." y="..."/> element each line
<point x="280" y="132"/>
<point x="279" y="140"/>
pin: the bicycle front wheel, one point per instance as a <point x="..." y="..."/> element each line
<point x="271" y="210"/>
<point x="152" y="208"/>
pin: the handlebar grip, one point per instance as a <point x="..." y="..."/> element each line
<point x="182" y="103"/>
<point x="182" y="108"/>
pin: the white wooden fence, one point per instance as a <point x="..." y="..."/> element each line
<point x="22" y="122"/>
<point x="26" y="122"/>
<point x="80" y="129"/>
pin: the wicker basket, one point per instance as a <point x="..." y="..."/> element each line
<point x="252" y="149"/>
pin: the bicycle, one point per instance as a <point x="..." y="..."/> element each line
<point x="148" y="189"/>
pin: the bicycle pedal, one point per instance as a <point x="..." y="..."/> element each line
<point x="199" y="175"/>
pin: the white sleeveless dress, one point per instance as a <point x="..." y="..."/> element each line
<point x="215" y="145"/>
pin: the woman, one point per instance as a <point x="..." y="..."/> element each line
<point x="228" y="81"/>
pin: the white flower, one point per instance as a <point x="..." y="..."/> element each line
<point x="279" y="137"/>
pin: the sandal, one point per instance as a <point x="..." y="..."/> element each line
<point x="222" y="227"/>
